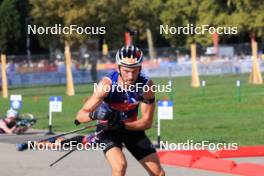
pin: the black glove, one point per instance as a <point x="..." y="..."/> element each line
<point x="117" y="126"/>
<point x="103" y="112"/>
<point x="115" y="123"/>
<point x="76" y="122"/>
<point x="102" y="126"/>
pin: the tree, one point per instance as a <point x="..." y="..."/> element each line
<point x="202" y="12"/>
<point x="213" y="13"/>
<point x="60" y="12"/>
<point x="179" y="13"/>
<point x="183" y="13"/>
<point x="249" y="16"/>
<point x="10" y="27"/>
<point x="64" y="13"/>
<point x="110" y="14"/>
<point x="144" y="16"/>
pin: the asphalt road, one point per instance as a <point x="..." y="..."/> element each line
<point x="79" y="163"/>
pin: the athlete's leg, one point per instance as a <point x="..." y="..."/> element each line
<point x="152" y="164"/>
<point x="113" y="152"/>
<point x="143" y="150"/>
<point x="117" y="161"/>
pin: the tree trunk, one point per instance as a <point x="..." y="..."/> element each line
<point x="4" y="78"/>
<point x="70" y="84"/>
<point x="152" y="52"/>
<point x="195" y="75"/>
<point x="255" y="75"/>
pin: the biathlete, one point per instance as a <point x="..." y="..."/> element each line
<point x="123" y="91"/>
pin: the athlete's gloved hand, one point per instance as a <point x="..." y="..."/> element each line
<point x="116" y="123"/>
<point x="117" y="126"/>
<point x="76" y="122"/>
<point x="103" y="112"/>
<point x="102" y="126"/>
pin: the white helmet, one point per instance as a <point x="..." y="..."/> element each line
<point x="129" y="56"/>
<point x="12" y="113"/>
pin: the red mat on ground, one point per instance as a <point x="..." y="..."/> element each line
<point x="203" y="159"/>
<point x="249" y="169"/>
<point x="214" y="164"/>
<point x="176" y="159"/>
<point x="162" y="152"/>
<point x="244" y="151"/>
<point x="197" y="153"/>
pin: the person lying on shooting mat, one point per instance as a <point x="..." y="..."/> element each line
<point x="13" y="124"/>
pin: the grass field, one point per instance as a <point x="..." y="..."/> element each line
<point x="216" y="116"/>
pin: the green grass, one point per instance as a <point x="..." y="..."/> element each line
<point x="216" y="116"/>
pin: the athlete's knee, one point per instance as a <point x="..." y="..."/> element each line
<point x="159" y="172"/>
<point x="119" y="167"/>
<point x="117" y="161"/>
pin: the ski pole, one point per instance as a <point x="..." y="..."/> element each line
<point x="23" y="146"/>
<point x="63" y="156"/>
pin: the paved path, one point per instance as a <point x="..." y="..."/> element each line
<point x="79" y="163"/>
